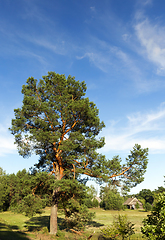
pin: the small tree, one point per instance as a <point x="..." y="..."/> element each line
<point x="95" y="202"/>
<point x="120" y="227"/>
<point x="60" y="125"/>
<point x="4" y="191"/>
<point x="25" y="193"/>
<point x="154" y="225"/>
<point x="137" y="206"/>
<point x="111" y="198"/>
<point x="146" y="194"/>
<point x="90" y="196"/>
<point x="147" y="207"/>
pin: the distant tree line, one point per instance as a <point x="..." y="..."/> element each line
<point x="29" y="193"/>
<point x="24" y="190"/>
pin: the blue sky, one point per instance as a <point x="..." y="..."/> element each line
<point x="117" y="47"/>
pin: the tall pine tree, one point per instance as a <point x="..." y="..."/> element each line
<point x="60" y="125"/>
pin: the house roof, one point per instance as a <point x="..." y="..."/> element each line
<point x="131" y="201"/>
<point x="97" y="198"/>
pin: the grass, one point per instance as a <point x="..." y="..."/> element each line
<point x="18" y="227"/>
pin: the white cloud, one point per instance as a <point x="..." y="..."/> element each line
<point x="97" y="58"/>
<point x="146" y="2"/>
<point x="147" y="129"/>
<point x="6" y="141"/>
<point x="93" y="9"/>
<point x="151" y="38"/>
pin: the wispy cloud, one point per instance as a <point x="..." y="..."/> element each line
<point x="151" y="37"/>
<point x="108" y="57"/>
<point x="145" y="2"/>
<point x="6" y="141"/>
<point x="146" y="129"/>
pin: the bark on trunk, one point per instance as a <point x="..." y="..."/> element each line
<point x="54" y="208"/>
<point x="53" y="216"/>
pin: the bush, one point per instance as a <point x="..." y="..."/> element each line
<point x="77" y="216"/>
<point x="120" y="227"/>
<point x="112" y="201"/>
<point x="147" y="207"/>
<point x="45" y="230"/>
<point x="88" y="202"/>
<point x="29" y="205"/>
<point x="95" y="202"/>
<point x="154" y="225"/>
<point x="137" y="205"/>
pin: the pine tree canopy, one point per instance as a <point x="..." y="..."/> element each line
<point x="58" y="123"/>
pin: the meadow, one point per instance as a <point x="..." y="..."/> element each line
<point x="18" y="227"/>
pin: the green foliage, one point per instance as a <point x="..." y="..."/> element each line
<point x="147" y="195"/>
<point x="72" y="196"/>
<point x="111" y="199"/>
<point x="137" y="205"/>
<point x="154" y="225"/>
<point x="110" y="232"/>
<point x="91" y="192"/>
<point x="2" y="172"/>
<point x="159" y="190"/>
<point x="142" y="200"/>
<point x="90" y="200"/>
<point x="60" y="125"/>
<point x="23" y="192"/>
<point x="95" y="202"/>
<point x="120" y="227"/>
<point x="60" y="234"/>
<point x="147" y="207"/>
<point x="77" y="216"/>
<point x="4" y="190"/>
<point x="136" y="163"/>
<point x="30" y="205"/>
<point x="45" y="230"/>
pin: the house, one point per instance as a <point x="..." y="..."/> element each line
<point x="131" y="203"/>
<point x="98" y="199"/>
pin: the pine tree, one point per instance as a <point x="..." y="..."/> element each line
<point x="60" y="125"/>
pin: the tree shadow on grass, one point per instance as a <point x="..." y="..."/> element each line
<point x="8" y="232"/>
<point x="37" y="223"/>
<point x="95" y="224"/>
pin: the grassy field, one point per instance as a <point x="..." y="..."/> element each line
<point x="18" y="227"/>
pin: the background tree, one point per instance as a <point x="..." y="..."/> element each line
<point x="111" y="198"/>
<point x="90" y="200"/>
<point x="4" y="190"/>
<point x="147" y="206"/>
<point x="146" y="194"/>
<point x="120" y="227"/>
<point x="60" y="125"/>
<point x="137" y="206"/>
<point x="95" y="202"/>
<point x="153" y="226"/>
<point x="26" y="193"/>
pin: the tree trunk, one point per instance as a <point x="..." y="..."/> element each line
<point x="55" y="198"/>
<point x="53" y="216"/>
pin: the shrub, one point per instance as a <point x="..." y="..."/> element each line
<point x="45" y="230"/>
<point x="77" y="216"/>
<point x="95" y="202"/>
<point x="137" y="205"/>
<point x="112" y="201"/>
<point x="29" y="205"/>
<point x="154" y="225"/>
<point x="120" y="227"/>
<point x="147" y="207"/>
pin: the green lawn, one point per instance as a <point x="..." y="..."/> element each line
<point x="18" y="227"/>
